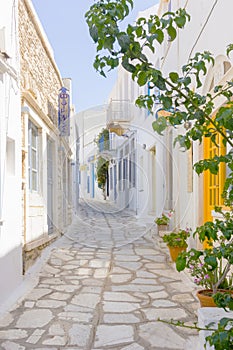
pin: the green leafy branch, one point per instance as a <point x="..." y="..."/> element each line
<point x="221" y="337"/>
<point x="115" y="45"/>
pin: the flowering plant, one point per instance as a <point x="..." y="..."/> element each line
<point x="211" y="267"/>
<point x="164" y="218"/>
<point x="177" y="238"/>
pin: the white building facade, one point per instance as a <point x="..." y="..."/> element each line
<point x="10" y="152"/>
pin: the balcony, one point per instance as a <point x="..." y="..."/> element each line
<point x="119" y="113"/>
<point x="103" y="144"/>
<point x="105" y="149"/>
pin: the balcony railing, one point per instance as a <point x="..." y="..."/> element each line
<point x="105" y="149"/>
<point x="103" y="144"/>
<point x="119" y="111"/>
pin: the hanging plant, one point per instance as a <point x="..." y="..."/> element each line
<point x="102" y="140"/>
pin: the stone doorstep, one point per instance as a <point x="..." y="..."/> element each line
<point x="33" y="250"/>
<point x="45" y="239"/>
<point x="206" y="315"/>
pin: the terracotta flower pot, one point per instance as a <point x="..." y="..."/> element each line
<point x="175" y="251"/>
<point x="206" y="299"/>
<point x="162" y="227"/>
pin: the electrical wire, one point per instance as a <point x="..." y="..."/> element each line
<point x="199" y="35"/>
<point x="170" y="43"/>
<point x="207" y="20"/>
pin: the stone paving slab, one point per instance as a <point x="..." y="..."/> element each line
<point x="103" y="291"/>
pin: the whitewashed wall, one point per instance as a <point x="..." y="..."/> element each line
<point x="10" y="154"/>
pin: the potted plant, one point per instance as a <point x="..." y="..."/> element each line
<point x="176" y="242"/>
<point x="211" y="267"/>
<point x="163" y="221"/>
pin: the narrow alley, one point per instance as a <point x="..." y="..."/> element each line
<point x="103" y="286"/>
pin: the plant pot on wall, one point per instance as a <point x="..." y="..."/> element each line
<point x="175" y="251"/>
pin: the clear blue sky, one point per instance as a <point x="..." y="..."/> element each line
<point x="74" y="51"/>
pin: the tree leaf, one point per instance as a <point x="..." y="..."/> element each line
<point x="124" y="41"/>
<point x="128" y="66"/>
<point x="142" y="78"/>
<point x="229" y="49"/>
<point x="174" y="77"/>
<point x="211" y="261"/>
<point x="180" y="21"/>
<point x="167" y="102"/>
<point x="171" y="32"/>
<point x="139" y="31"/>
<point x="94" y="33"/>
<point x="160" y="125"/>
<point x="159" y="35"/>
<point x="180" y="263"/>
<point x="108" y="42"/>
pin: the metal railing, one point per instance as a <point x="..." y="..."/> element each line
<point x="119" y="111"/>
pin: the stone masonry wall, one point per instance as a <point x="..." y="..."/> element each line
<point x="39" y="76"/>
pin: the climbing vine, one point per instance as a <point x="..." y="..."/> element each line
<point x="102" y="173"/>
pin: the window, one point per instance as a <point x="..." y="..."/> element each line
<point x="33" y="164"/>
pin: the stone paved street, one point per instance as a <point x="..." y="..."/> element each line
<point x="103" y="286"/>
